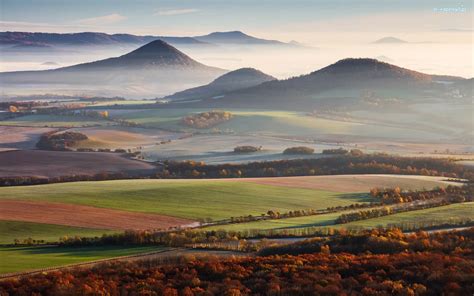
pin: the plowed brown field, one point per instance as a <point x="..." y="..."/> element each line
<point x="84" y="216"/>
<point x="61" y="163"/>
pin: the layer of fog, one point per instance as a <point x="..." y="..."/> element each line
<point x="433" y="58"/>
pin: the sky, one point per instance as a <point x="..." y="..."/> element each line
<point x="439" y="33"/>
<point x="306" y="21"/>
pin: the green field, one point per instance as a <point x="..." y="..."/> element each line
<point x="54" y="121"/>
<point x="243" y="121"/>
<point x="187" y="198"/>
<point x="273" y="123"/>
<point x="11" y="230"/>
<point x="438" y="214"/>
<point x="298" y="222"/>
<point x="14" y="259"/>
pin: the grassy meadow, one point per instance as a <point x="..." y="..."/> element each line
<point x="15" y="259"/>
<point x="192" y="199"/>
<point x="272" y="122"/>
<point x="439" y="214"/>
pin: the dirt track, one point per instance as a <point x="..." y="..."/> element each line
<point x="84" y="216"/>
<point x="59" y="163"/>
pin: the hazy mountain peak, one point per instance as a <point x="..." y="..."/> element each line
<point x="158" y="52"/>
<point x="229" y="34"/>
<point x="390" y="39"/>
<point x="236" y="37"/>
<point x="153" y="49"/>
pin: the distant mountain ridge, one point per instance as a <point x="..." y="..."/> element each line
<point x="234" y="80"/>
<point x="85" y="38"/>
<point x="236" y="37"/>
<point x="97" y="39"/>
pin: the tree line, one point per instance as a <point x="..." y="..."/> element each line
<point x="342" y="164"/>
<point x="336" y="165"/>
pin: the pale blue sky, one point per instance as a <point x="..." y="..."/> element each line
<point x="272" y="19"/>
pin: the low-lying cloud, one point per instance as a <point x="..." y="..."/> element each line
<point x="102" y="20"/>
<point x="176" y="11"/>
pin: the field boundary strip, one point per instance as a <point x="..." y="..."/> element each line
<point x="74" y="265"/>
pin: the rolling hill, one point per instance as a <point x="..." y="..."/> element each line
<point x="149" y="70"/>
<point x="342" y="83"/>
<point x="234" y="80"/>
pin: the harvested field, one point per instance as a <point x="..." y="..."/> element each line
<point x="21" y="230"/>
<point x="16" y="137"/>
<point x="354" y="183"/>
<point x="84" y="216"/>
<point x="58" y="163"/>
<point x="123" y="137"/>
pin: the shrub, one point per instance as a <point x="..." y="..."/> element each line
<point x="247" y="149"/>
<point x="299" y="150"/>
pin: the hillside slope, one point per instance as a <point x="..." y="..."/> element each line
<point x="341" y="83"/>
<point x="234" y="80"/>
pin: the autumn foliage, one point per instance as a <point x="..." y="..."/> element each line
<point x="429" y="269"/>
<point x="206" y="119"/>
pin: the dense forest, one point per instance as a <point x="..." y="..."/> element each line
<point x="376" y="263"/>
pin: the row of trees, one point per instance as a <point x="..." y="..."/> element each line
<point x="103" y="176"/>
<point x="271" y="214"/>
<point x="343" y="164"/>
<point x="396" y="195"/>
